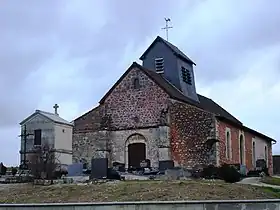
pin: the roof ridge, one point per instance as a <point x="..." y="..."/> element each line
<point x="173" y="48"/>
<point x="42" y="111"/>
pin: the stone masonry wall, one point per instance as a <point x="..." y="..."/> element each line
<point x="124" y="111"/>
<point x="86" y="144"/>
<point x="90" y="121"/>
<point x="190" y="128"/>
<point x="132" y="108"/>
<point x="235" y="138"/>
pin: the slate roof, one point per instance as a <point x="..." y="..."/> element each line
<point x="173" y="48"/>
<point x="205" y="103"/>
<point x="51" y="116"/>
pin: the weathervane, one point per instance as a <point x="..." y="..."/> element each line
<point x="167" y="27"/>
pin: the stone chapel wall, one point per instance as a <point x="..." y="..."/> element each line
<point x="190" y="128"/>
<point x="131" y="107"/>
<point x="235" y="133"/>
<point x="126" y="110"/>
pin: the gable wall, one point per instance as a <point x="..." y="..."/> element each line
<point x="89" y="122"/>
<point x="122" y="105"/>
<point x="38" y="121"/>
<point x="125" y="103"/>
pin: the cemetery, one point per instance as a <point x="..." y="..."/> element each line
<point x="98" y="181"/>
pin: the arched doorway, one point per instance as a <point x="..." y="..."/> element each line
<point x="241" y="149"/>
<point x="136" y="150"/>
<point x="136" y="153"/>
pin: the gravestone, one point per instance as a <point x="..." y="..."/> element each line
<point x="99" y="168"/>
<point x="261" y="163"/>
<point x="166" y="164"/>
<point x="119" y="166"/>
<point x="75" y="169"/>
<point x="145" y="163"/>
<point x="243" y="170"/>
<point x="3" y="169"/>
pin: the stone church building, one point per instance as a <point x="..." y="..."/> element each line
<point x="154" y="112"/>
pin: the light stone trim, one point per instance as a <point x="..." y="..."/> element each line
<point x="217" y="144"/>
<point x="230" y="143"/>
<point x="241" y="133"/>
<point x="132" y="139"/>
<point x="254" y="158"/>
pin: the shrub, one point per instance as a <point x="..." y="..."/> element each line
<point x="210" y="172"/>
<point x="229" y="173"/>
<point x="57" y="174"/>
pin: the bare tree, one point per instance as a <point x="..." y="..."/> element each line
<point x="43" y="163"/>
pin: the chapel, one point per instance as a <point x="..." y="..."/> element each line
<point x="153" y="112"/>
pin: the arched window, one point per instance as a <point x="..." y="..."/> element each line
<point x="241" y="150"/>
<point x="254" y="154"/>
<point x="228" y="149"/>
<point x="136" y="83"/>
<point x="266" y="155"/>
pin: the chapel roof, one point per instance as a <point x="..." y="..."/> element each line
<point x="204" y="103"/>
<point x="51" y="116"/>
<point x="172" y="47"/>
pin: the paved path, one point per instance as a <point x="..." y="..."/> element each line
<point x="256" y="181"/>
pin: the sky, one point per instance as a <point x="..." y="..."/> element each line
<point x="72" y="52"/>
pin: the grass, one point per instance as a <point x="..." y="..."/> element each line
<point x="271" y="180"/>
<point x="274" y="191"/>
<point x="133" y="191"/>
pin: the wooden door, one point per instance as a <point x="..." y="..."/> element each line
<point x="136" y="153"/>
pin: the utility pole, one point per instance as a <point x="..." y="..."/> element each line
<point x="25" y="135"/>
<point x="167" y="27"/>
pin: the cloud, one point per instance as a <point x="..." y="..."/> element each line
<point x="72" y="52"/>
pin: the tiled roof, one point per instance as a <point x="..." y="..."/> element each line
<point x="53" y="117"/>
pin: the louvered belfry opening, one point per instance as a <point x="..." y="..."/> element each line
<point x="159" y="65"/>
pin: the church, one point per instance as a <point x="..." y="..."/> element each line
<point x="154" y="112"/>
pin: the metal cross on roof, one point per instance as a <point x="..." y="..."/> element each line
<point x="167" y="27"/>
<point x="55" y="108"/>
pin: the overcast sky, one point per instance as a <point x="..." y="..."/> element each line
<point x="72" y="52"/>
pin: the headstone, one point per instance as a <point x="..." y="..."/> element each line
<point x="145" y="163"/>
<point x="243" y="170"/>
<point x="75" y="169"/>
<point x="99" y="168"/>
<point x="3" y="169"/>
<point x="113" y="174"/>
<point x="261" y="163"/>
<point x="166" y="164"/>
<point x="119" y="166"/>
